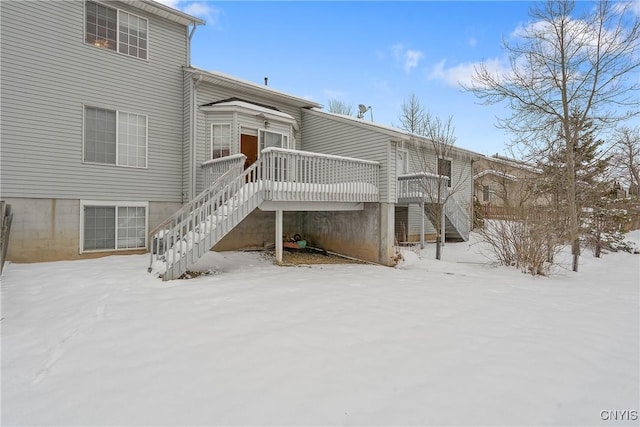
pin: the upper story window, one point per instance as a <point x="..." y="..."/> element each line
<point x="115" y="137"/>
<point x="116" y="30"/>
<point x="220" y="140"/>
<point x="402" y="162"/>
<point x="444" y="169"/>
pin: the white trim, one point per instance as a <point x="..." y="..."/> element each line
<point x="228" y="81"/>
<point x="84" y="123"/>
<point x="250" y="109"/>
<point x="116" y="204"/>
<point x="282" y="136"/>
<point x="117" y="49"/>
<point x="212" y="124"/>
<point x="496" y="173"/>
<point x="406" y="161"/>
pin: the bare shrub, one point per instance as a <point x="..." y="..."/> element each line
<point x="528" y="243"/>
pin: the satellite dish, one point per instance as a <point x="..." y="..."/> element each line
<point x="362" y="108"/>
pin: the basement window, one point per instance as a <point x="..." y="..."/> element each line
<point x="113" y="226"/>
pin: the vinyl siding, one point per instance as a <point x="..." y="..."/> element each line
<point x="326" y="134"/>
<point x="49" y="74"/>
<point x="207" y="93"/>
<point x="425" y="161"/>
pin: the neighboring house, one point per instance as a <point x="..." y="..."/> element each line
<point x="121" y="148"/>
<point x="503" y="183"/>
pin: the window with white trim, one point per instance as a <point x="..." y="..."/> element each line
<point x="220" y="140"/>
<point x="444" y="169"/>
<point x="272" y="139"/>
<point x="112" y="225"/>
<point x="115" y="137"/>
<point x="117" y="30"/>
<point x="402" y="162"/>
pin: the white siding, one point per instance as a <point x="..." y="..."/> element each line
<point x="49" y="73"/>
<point x="207" y="93"/>
<point x="323" y="133"/>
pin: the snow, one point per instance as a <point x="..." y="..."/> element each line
<point x="452" y="342"/>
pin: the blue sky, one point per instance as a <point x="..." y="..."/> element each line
<point x="372" y="53"/>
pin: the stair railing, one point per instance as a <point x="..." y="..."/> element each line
<point x="458" y="216"/>
<point x="183" y="239"/>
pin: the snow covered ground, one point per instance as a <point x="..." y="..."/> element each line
<point x="455" y="342"/>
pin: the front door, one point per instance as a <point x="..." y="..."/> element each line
<point x="249" y="147"/>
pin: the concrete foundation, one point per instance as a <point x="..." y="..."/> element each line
<point x="257" y="231"/>
<point x="362" y="234"/>
<point x="49" y="229"/>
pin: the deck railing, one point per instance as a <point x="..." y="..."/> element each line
<point x="278" y="175"/>
<point x="421" y="187"/>
<point x="214" y="169"/>
<point x="292" y="175"/>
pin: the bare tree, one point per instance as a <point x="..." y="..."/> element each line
<point x="626" y="157"/>
<point x="340" y="107"/>
<point x="412" y="115"/>
<point x="562" y="65"/>
<point x="433" y="144"/>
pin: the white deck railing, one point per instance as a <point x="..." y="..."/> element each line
<point x="422" y="187"/>
<point x="214" y="169"/>
<point x="279" y="175"/>
<point x="292" y="175"/>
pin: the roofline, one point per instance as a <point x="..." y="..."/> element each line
<point x="514" y="163"/>
<point x="397" y="133"/>
<point x="492" y="172"/>
<point x="165" y="11"/>
<point x="227" y="80"/>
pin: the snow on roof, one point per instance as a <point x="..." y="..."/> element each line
<point x="264" y="111"/>
<point x="492" y="172"/>
<point x="165" y="11"/>
<point x="226" y="80"/>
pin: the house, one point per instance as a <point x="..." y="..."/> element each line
<point x="113" y="143"/>
<point x="74" y="72"/>
<point x="502" y="184"/>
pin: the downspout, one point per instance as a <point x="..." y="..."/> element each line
<point x="190" y="33"/>
<point x="194" y="137"/>
<point x="193" y="116"/>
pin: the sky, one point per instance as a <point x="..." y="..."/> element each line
<point x="372" y="53"/>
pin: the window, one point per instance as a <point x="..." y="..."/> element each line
<point x="272" y="139"/>
<point x="444" y="169"/>
<point x="115" y="137"/>
<point x="116" y="30"/>
<point x="220" y="140"/>
<point x="402" y="162"/>
<point x="111" y="226"/>
<point x="486" y="193"/>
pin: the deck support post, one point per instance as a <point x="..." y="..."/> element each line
<point x="422" y="225"/>
<point x="443" y="223"/>
<point x="279" y="236"/>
